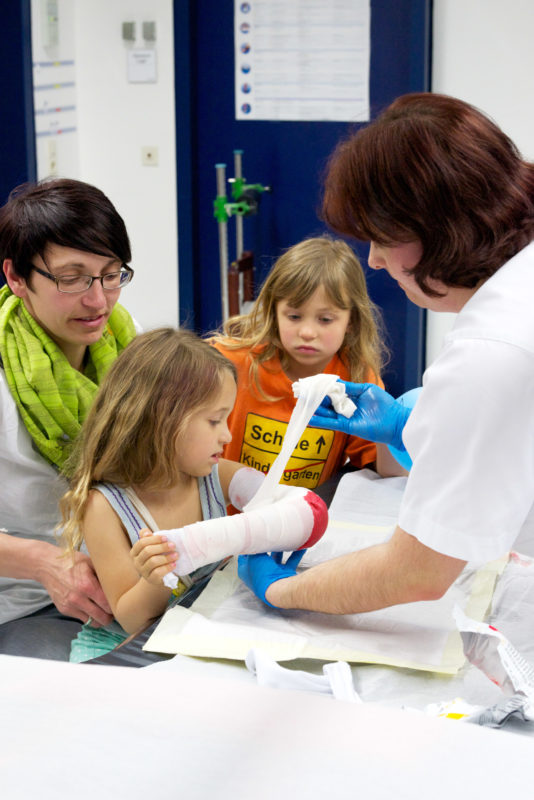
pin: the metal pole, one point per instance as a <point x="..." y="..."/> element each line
<point x="223" y="242"/>
<point x="238" y="174"/>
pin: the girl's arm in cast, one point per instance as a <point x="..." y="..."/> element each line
<point x="154" y="556"/>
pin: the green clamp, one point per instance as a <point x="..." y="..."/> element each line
<point x="242" y="208"/>
<point x="244" y="195"/>
<point x="223" y="210"/>
<point x="219" y="208"/>
<point x="240" y="186"/>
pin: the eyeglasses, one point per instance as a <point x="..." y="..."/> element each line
<point x="75" y="284"/>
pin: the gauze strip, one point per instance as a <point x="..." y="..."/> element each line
<point x="309" y="393"/>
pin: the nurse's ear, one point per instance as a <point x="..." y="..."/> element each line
<point x="16" y="283"/>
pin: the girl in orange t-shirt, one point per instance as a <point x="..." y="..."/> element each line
<point x="313" y="315"/>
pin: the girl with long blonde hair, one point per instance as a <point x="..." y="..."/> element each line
<point x="313" y="315"/>
<point x="148" y="459"/>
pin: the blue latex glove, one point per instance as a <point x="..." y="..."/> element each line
<point x="258" y="571"/>
<point x="378" y="416"/>
<point x="407" y="399"/>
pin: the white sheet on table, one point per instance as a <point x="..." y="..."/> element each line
<point x="198" y="736"/>
<point x="227" y="619"/>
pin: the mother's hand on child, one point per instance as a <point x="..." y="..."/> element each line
<point x="154" y="556"/>
<point x="260" y="570"/>
<point x="378" y="416"/>
<point x="73" y="585"/>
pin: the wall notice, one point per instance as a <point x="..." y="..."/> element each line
<point x="302" y="60"/>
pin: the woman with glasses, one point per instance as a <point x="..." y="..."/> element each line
<point x="64" y="251"/>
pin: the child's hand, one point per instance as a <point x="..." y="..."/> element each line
<point x="153" y="556"/>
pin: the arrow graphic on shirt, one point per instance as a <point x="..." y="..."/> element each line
<point x="320" y="443"/>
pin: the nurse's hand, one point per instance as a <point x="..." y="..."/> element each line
<point x="261" y="570"/>
<point x="378" y="416"/>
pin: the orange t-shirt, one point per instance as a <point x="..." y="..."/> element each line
<point x="258" y="426"/>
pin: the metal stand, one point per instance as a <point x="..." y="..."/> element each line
<point x="223" y="237"/>
<point x="237" y="284"/>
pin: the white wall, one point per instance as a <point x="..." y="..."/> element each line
<point x="116" y="119"/>
<point x="483" y="53"/>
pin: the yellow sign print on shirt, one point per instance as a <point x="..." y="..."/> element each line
<point x="262" y="442"/>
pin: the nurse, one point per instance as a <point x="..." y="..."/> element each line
<point x="447" y="204"/>
<point x="64" y="250"/>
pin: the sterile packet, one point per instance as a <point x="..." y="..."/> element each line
<point x="488" y="649"/>
<point x="493" y="717"/>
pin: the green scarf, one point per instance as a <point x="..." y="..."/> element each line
<point x="52" y="397"/>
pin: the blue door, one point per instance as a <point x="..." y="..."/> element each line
<point x="288" y="156"/>
<point x="17" y="143"/>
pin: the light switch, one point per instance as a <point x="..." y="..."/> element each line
<point x="149" y="156"/>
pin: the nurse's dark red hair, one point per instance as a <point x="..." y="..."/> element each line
<point x="434" y="168"/>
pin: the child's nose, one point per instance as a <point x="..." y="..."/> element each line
<point x="307" y="330"/>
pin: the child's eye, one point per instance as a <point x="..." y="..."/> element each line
<point x="326" y="319"/>
<point x="293" y="317"/>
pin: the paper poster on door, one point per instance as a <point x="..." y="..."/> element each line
<point x="302" y="60"/>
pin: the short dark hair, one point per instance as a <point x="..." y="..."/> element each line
<point x="62" y="211"/>
<point x="434" y="168"/>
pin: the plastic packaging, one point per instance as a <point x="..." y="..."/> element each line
<point x="489" y="650"/>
